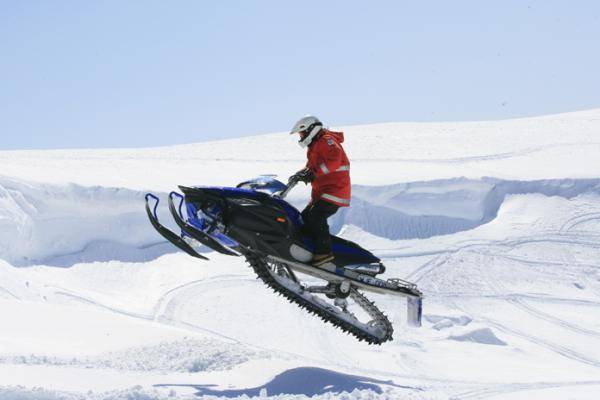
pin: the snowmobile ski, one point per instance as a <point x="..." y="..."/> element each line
<point x="165" y="232"/>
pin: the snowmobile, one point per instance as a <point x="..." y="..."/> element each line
<point x="254" y="221"/>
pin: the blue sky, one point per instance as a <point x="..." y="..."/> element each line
<point x="146" y="73"/>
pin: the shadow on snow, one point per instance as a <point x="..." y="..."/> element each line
<point x="308" y="381"/>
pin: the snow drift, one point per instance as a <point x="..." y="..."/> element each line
<point x="63" y="225"/>
<point x="440" y="207"/>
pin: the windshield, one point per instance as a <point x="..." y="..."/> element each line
<point x="264" y="183"/>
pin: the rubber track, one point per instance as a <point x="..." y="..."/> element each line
<point x="261" y="269"/>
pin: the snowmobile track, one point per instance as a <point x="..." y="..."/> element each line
<point x="261" y="270"/>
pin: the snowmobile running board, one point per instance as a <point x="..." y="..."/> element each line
<point x="332" y="273"/>
<point x="166" y="233"/>
<point x="398" y="287"/>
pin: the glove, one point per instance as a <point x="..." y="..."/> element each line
<point x="304" y="175"/>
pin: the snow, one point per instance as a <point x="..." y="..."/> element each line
<point x="498" y="223"/>
<point x="552" y="147"/>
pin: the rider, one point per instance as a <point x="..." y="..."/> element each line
<point x="328" y="171"/>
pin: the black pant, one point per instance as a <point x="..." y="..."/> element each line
<point x="315" y="224"/>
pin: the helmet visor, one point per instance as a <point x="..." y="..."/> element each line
<point x="299" y="129"/>
<point x="303" y="134"/>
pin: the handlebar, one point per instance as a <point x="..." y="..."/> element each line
<point x="288" y="189"/>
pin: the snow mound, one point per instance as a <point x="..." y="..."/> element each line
<point x="481" y="336"/>
<point x="64" y="224"/>
<point x="441" y="322"/>
<point x="186" y="355"/>
<point x="441" y="207"/>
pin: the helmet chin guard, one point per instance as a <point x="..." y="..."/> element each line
<point x="309" y="138"/>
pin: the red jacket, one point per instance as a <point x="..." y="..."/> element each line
<point x="328" y="161"/>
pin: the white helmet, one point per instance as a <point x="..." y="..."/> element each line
<point x="307" y="127"/>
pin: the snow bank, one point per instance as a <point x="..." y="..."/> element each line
<point x="61" y="225"/>
<point x="440" y="207"/>
<point x="64" y="224"/>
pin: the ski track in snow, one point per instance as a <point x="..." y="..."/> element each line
<point x="487" y="250"/>
<point x="164" y="310"/>
<point x="498" y="290"/>
<point x="8" y="292"/>
<point x="493" y="391"/>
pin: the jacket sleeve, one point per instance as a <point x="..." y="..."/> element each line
<point x="327" y="157"/>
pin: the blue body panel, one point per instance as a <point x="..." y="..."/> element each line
<point x="197" y="221"/>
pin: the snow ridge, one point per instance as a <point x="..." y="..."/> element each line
<point x="62" y="225"/>
<point x="441" y="207"/>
